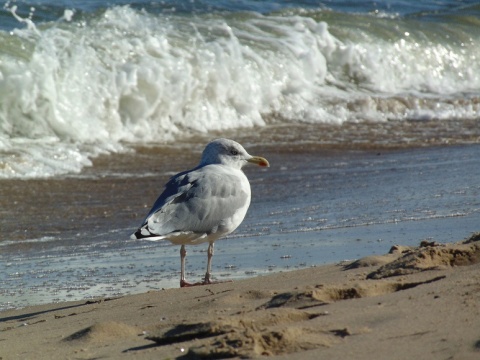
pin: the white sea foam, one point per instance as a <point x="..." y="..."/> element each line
<point x="79" y="87"/>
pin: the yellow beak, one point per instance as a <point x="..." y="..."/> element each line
<point x="260" y="161"/>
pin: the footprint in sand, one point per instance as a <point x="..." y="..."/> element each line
<point x="267" y="332"/>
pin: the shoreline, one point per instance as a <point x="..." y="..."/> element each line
<point x="416" y="306"/>
<point x="341" y="205"/>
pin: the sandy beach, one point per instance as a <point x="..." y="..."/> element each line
<point x="412" y="303"/>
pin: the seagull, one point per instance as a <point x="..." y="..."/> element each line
<point x="202" y="204"/>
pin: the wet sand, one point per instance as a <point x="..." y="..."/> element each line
<point x="415" y="302"/>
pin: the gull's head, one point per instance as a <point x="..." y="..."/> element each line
<point x="231" y="153"/>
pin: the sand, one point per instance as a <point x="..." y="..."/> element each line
<point x="413" y="303"/>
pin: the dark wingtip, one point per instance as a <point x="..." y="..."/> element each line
<point x="137" y="235"/>
<point x="144" y="233"/>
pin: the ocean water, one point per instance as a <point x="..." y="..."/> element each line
<point x="83" y="78"/>
<point x="369" y="113"/>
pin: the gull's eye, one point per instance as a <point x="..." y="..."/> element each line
<point x="233" y="152"/>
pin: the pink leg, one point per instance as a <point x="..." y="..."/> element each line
<point x="183" y="255"/>
<point x="208" y="274"/>
<point x="207" y="280"/>
<point x="183" y="282"/>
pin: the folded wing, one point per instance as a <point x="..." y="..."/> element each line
<point x="195" y="205"/>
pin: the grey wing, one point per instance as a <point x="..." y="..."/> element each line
<point x="202" y="204"/>
<point x="176" y="186"/>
